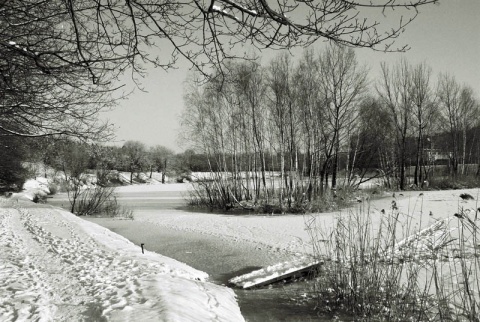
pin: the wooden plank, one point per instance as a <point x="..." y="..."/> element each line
<point x="276" y="273"/>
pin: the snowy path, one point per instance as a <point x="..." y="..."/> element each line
<point x="54" y="266"/>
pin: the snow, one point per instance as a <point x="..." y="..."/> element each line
<point x="153" y="188"/>
<point x="124" y="177"/>
<point x="56" y="266"/>
<point x="289" y="237"/>
<point x="219" y="9"/>
<point x="273" y="271"/>
<point x="289" y="233"/>
<point x="39" y="183"/>
<point x="32" y="188"/>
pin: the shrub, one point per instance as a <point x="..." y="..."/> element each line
<point x="53" y="188"/>
<point x="91" y="201"/>
<point x="454" y="182"/>
<point x="113" y="209"/>
<point x="100" y="201"/>
<point x="210" y="194"/>
<point x="39" y="197"/>
<point x="220" y="194"/>
<point x="183" y="177"/>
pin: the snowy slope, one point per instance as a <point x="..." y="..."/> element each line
<point x="55" y="266"/>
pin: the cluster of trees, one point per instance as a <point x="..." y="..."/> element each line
<point x="75" y="158"/>
<point x="321" y="117"/>
<point x="24" y="158"/>
<point x="12" y="173"/>
<point x="60" y="60"/>
<point x="432" y="115"/>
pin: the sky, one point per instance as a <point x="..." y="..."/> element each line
<point x="446" y="37"/>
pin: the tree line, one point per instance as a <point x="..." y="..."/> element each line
<point x="24" y="158"/>
<point x="322" y="123"/>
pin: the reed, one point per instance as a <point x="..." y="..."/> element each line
<point x="388" y="267"/>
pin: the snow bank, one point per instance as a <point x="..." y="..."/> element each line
<point x="55" y="266"/>
<point x="32" y="188"/>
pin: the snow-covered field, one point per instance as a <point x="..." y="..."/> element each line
<point x="55" y="266"/>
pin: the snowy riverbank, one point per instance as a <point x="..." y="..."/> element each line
<point x="56" y="266"/>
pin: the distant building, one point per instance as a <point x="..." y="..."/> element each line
<point x="437" y="156"/>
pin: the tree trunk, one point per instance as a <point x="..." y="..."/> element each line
<point x="418" y="170"/>
<point x="335" y="163"/>
<point x="402" y="165"/>
<point x="164" y="171"/>
<point x="464" y="148"/>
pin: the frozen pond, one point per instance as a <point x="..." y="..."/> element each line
<point x="221" y="257"/>
<point x="226" y="245"/>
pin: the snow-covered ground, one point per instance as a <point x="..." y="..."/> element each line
<point x="55" y="266"/>
<point x="289" y="236"/>
<point x="289" y="233"/>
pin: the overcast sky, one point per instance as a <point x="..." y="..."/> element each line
<point x="445" y="36"/>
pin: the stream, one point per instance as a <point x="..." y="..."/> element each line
<point x="221" y="258"/>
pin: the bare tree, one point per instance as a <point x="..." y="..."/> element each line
<point x="394" y="90"/>
<point x="308" y="103"/>
<point x="343" y="82"/>
<point x="73" y="158"/>
<point x="60" y="58"/>
<point x="469" y="115"/>
<point x="283" y="120"/>
<point x="249" y="81"/>
<point x="424" y="109"/>
<point x="374" y="148"/>
<point x="448" y="93"/>
<point x="44" y="88"/>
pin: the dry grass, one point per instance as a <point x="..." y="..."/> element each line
<point x="387" y="270"/>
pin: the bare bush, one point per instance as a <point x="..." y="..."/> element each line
<point x="221" y="193"/>
<point x="100" y="201"/>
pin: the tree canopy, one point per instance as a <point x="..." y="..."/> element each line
<point x="60" y="59"/>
